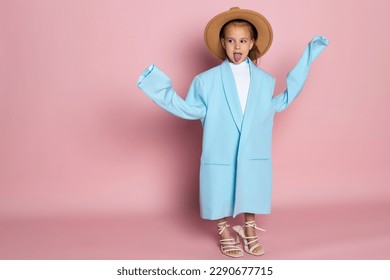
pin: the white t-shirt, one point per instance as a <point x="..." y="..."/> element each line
<point x="241" y="75"/>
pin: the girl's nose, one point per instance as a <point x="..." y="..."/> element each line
<point x="237" y="46"/>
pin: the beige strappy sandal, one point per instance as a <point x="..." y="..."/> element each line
<point x="229" y="244"/>
<point x="248" y="240"/>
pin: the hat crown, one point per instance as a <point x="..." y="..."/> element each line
<point x="234" y="8"/>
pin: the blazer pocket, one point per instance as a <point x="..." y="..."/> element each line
<point x="216" y="163"/>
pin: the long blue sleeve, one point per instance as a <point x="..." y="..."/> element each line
<point x="158" y="87"/>
<point x="296" y="78"/>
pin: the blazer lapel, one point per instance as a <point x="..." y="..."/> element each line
<point x="231" y="94"/>
<point x="251" y="104"/>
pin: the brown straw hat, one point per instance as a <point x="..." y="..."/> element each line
<point x="213" y="28"/>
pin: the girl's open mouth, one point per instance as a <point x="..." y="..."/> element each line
<point x="237" y="57"/>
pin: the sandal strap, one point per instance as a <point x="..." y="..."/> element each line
<point x="222" y="226"/>
<point x="229" y="241"/>
<point x="252" y="241"/>
<point x="232" y="248"/>
<point x="228" y="245"/>
<point x="250" y="237"/>
<point x="257" y="245"/>
<point x="252" y="224"/>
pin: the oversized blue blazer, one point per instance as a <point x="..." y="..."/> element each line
<point x="236" y="166"/>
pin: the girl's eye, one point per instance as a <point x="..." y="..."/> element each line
<point x="243" y="41"/>
<point x="230" y="41"/>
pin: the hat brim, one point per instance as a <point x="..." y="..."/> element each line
<point x="213" y="28"/>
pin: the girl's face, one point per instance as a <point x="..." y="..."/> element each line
<point x="237" y="42"/>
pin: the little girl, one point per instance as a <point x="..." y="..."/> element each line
<point x="235" y="103"/>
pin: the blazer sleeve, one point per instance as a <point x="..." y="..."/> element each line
<point x="296" y="78"/>
<point x="158" y="87"/>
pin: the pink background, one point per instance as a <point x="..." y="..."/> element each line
<point x="91" y="168"/>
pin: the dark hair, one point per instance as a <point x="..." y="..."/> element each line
<point x="254" y="53"/>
